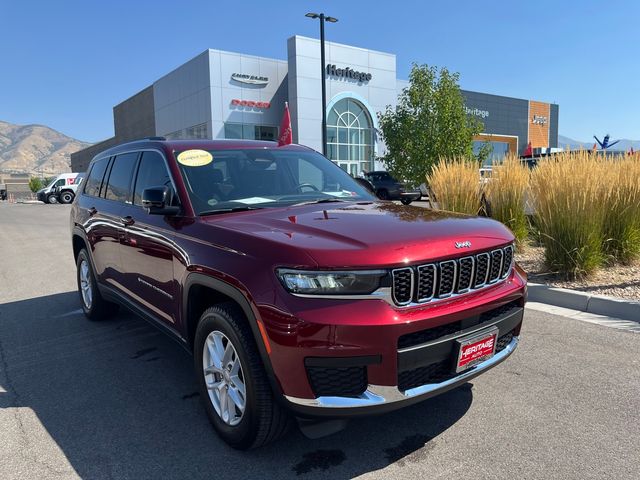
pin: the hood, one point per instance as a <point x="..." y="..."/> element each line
<point x="377" y="234"/>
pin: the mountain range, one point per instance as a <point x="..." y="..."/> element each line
<point x="36" y="149"/>
<point x="624" y="144"/>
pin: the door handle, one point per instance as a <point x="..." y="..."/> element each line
<point x="92" y="211"/>
<point x="127" y="221"/>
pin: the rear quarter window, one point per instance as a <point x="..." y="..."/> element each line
<point x="119" y="184"/>
<point x="96" y="175"/>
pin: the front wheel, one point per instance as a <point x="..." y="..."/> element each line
<point x="383" y="195"/>
<point x="66" y="197"/>
<point x="232" y="381"/>
<point x="52" y="199"/>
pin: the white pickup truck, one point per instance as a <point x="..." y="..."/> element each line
<point x="61" y="189"/>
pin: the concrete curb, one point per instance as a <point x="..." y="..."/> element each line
<point x="585" y="302"/>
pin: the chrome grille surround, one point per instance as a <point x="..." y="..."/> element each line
<point x="464" y="270"/>
<point x="426" y="280"/>
<point x="446" y="269"/>
<point x="426" y="275"/>
<point x="507" y="263"/>
<point x="399" y="279"/>
<point x="495" y="268"/>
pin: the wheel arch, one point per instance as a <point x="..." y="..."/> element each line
<point x="78" y="242"/>
<point x="201" y="292"/>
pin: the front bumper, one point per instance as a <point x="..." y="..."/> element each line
<point x="351" y="357"/>
<point x="382" y="398"/>
<point x="411" y="195"/>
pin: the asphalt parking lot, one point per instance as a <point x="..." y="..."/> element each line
<point x="117" y="399"/>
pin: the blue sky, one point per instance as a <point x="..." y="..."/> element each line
<point x="65" y="64"/>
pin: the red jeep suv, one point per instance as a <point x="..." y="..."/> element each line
<point x="298" y="292"/>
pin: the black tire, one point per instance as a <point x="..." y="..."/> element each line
<point x="406" y="201"/>
<point x="66" y="197"/>
<point x="52" y="199"/>
<point x="383" y="194"/>
<point x="263" y="420"/>
<point x="98" y="308"/>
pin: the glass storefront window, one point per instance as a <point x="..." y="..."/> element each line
<point x="498" y="152"/>
<point x="247" y="131"/>
<point x="350" y="136"/>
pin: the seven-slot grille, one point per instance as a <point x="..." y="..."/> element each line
<point x="451" y="277"/>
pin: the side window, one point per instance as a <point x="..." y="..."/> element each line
<point x="119" y="185"/>
<point x="151" y="173"/>
<point x="94" y="181"/>
<point x="60" y="182"/>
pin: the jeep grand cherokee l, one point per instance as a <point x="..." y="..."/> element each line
<point x="299" y="293"/>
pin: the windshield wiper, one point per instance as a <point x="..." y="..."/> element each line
<point x="322" y="200"/>
<point x="244" y="208"/>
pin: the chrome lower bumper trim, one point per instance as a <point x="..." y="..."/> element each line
<point x="385" y="394"/>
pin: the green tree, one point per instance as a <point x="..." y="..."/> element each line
<point x="428" y="123"/>
<point x="35" y="184"/>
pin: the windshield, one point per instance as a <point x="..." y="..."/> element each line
<point x="226" y="180"/>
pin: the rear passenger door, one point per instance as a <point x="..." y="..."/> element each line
<point x="117" y="194"/>
<point x="149" y="249"/>
<point x="98" y="220"/>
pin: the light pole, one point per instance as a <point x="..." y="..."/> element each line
<point x="323" y="18"/>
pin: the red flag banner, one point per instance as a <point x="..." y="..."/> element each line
<point x="286" y="136"/>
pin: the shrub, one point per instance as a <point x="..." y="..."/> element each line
<point x="456" y="185"/>
<point x="568" y="200"/>
<point x="507" y="193"/>
<point x="35" y="184"/>
<point x="621" y="228"/>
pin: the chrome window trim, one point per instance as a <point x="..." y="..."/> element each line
<point x="434" y="269"/>
<point x="471" y="279"/>
<point x="486" y="276"/>
<point x="393" y="282"/>
<point x="453" y="283"/>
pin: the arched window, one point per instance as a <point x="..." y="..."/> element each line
<point x="350" y="136"/>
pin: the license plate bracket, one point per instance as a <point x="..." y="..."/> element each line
<point x="476" y="348"/>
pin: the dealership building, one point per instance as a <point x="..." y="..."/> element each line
<point x="221" y="94"/>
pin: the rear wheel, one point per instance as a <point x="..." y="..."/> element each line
<point x="232" y="380"/>
<point x="406" y="201"/>
<point x="93" y="305"/>
<point x="66" y="197"/>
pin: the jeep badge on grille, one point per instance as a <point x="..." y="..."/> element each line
<point x="466" y="244"/>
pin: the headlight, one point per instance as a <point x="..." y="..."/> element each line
<point x="332" y="283"/>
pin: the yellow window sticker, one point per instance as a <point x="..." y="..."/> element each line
<point x="195" y="158"/>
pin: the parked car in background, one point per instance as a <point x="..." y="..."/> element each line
<point x="61" y="189"/>
<point x="299" y="293"/>
<point x="388" y="188"/>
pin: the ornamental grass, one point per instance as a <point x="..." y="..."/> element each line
<point x="507" y="193"/>
<point x="621" y="226"/>
<point x="455" y="184"/>
<point x="570" y="201"/>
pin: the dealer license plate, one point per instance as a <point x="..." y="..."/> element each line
<point x="476" y="348"/>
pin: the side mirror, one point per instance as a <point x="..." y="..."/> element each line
<point x="157" y="201"/>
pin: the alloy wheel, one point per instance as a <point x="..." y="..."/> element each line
<point x="224" y="378"/>
<point x="85" y="284"/>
